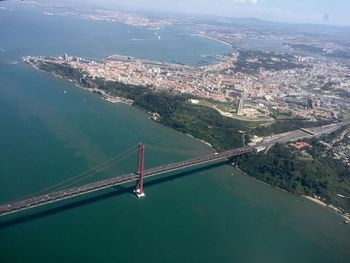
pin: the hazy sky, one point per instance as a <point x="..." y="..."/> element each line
<point x="311" y="11"/>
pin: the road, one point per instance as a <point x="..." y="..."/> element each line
<point x="41" y="200"/>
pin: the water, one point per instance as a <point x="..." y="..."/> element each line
<point x="261" y="44"/>
<point x="55" y="35"/>
<point x="201" y="215"/>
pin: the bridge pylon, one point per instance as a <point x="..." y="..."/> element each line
<point x="237" y="159"/>
<point x="140" y="170"/>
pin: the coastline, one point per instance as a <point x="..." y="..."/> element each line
<point x="215" y="39"/>
<point x="312" y="199"/>
<point x="315" y="200"/>
<point x="319" y="202"/>
<point x="330" y="207"/>
<point x="202" y="141"/>
<point x="101" y="93"/>
<point x="103" y="97"/>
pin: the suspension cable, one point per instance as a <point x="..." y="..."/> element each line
<point x="113" y="160"/>
<point x="77" y="180"/>
<point x="173" y="150"/>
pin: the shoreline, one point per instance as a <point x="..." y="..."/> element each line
<point x="328" y="206"/>
<point x="213" y="38"/>
<point x="100" y="93"/>
<point x="202" y="141"/>
<point x="74" y="82"/>
<point x="312" y="199"/>
<point x="315" y="200"/>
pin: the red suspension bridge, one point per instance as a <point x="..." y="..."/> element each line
<point x="141" y="174"/>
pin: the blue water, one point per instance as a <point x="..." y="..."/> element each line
<point x="205" y="215"/>
<point x="32" y="33"/>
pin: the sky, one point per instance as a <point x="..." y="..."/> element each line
<point x="330" y="12"/>
<point x="333" y="12"/>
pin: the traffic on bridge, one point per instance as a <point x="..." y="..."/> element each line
<point x="141" y="173"/>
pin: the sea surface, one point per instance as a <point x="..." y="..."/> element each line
<point x="51" y="131"/>
<point x="261" y="44"/>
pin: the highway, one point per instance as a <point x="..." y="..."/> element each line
<point x="302" y="134"/>
<point x="41" y="200"/>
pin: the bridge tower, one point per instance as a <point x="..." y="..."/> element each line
<point x="140" y="170"/>
<point x="237" y="158"/>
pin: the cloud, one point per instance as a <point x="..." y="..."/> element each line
<point x="253" y="2"/>
<point x="314" y="11"/>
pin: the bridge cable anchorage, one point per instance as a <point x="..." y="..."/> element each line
<point x="140" y="170"/>
<point x="81" y="176"/>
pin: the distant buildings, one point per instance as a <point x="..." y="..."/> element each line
<point x="315" y="103"/>
<point x="67" y="58"/>
<point x="295" y="92"/>
<point x="240" y="107"/>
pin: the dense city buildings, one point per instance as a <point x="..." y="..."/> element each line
<point x="273" y="79"/>
<point x="289" y="85"/>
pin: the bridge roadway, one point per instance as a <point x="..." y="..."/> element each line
<point x="123" y="179"/>
<point x="118" y="180"/>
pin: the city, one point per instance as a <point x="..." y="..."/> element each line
<point x="292" y="87"/>
<point x="175" y="131"/>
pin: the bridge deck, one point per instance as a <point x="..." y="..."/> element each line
<point x="118" y="180"/>
<point x="92" y="187"/>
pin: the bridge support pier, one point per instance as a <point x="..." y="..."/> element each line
<point x="140" y="170"/>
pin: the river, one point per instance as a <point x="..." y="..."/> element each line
<point x="51" y="130"/>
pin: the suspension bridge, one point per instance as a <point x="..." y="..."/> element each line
<point x="40" y="198"/>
